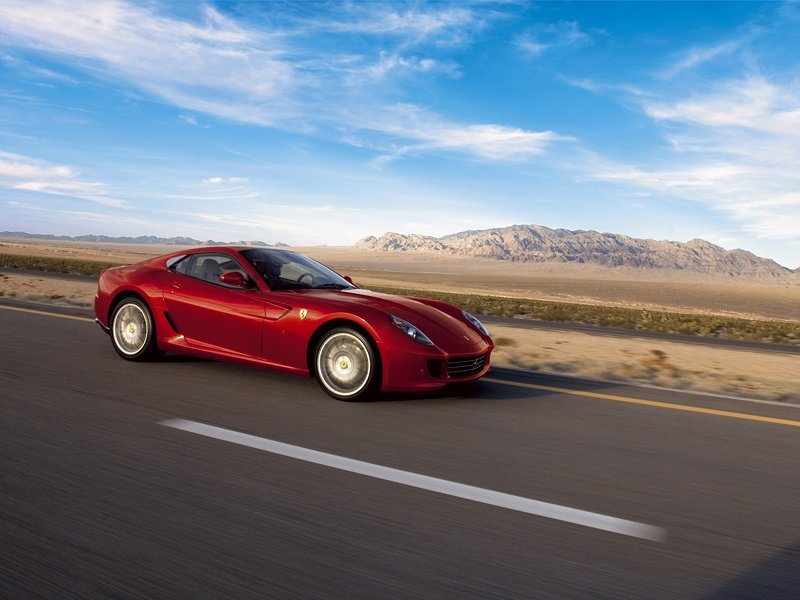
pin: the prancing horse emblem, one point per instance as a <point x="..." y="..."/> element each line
<point x="303" y="313"/>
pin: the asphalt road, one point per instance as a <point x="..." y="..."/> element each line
<point x="101" y="497"/>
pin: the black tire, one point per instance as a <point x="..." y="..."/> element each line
<point x="133" y="333"/>
<point x="346" y="365"/>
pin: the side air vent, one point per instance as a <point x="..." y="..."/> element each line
<point x="171" y="324"/>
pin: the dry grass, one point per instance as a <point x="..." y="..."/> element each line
<point x="71" y="266"/>
<point x="768" y="375"/>
<point x="610" y="316"/>
<point x="747" y="373"/>
<point x="699" y="324"/>
<point x="657" y="290"/>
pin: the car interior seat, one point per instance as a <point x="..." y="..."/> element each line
<point x="210" y="271"/>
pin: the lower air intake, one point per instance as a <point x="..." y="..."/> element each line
<point x="465" y="366"/>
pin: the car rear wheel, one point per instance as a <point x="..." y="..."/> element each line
<point x="132" y="330"/>
<point x="346" y="365"/>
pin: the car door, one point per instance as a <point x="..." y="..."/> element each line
<point x="211" y="315"/>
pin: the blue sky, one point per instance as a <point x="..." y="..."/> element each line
<point x="323" y="122"/>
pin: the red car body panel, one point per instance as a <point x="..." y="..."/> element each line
<point x="278" y="328"/>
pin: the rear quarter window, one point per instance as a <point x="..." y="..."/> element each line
<point x="179" y="264"/>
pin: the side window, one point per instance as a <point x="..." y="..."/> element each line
<point x="179" y="264"/>
<point x="209" y="267"/>
<point x="182" y="267"/>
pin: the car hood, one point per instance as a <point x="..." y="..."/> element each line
<point x="447" y="332"/>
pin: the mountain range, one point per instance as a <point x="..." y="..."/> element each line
<point x="529" y="244"/>
<point x="538" y="244"/>
<point x="142" y="239"/>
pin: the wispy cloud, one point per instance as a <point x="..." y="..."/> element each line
<point x="78" y="219"/>
<point x="417" y="130"/>
<point x="25" y="173"/>
<point x="698" y="56"/>
<point x="553" y="36"/>
<point x="204" y="66"/>
<point x="191" y="120"/>
<point x="225" y="180"/>
<point x="219" y="67"/>
<point x="762" y="205"/>
<point x="445" y="24"/>
<point x="393" y="63"/>
<point x="227" y="190"/>
<point x="735" y="149"/>
<point x="753" y="103"/>
<point x="33" y="71"/>
<point x="14" y="167"/>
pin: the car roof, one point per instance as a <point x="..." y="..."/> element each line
<point x="231" y="249"/>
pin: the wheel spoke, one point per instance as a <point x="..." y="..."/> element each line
<point x="343" y="364"/>
<point x="131" y="329"/>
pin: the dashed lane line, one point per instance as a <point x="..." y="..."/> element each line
<point x="433" y="484"/>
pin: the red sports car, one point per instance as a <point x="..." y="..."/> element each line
<point x="274" y="308"/>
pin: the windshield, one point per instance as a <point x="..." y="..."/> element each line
<point x="283" y="270"/>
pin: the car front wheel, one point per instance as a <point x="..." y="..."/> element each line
<point x="346" y="365"/>
<point x="132" y="330"/>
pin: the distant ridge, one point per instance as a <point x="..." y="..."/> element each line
<point x="142" y="239"/>
<point x="535" y="243"/>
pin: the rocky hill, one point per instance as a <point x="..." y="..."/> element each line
<point x="535" y="243"/>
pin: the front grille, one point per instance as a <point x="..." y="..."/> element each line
<point x="465" y="366"/>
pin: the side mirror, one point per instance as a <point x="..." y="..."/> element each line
<point x="235" y="279"/>
<point x="348" y="279"/>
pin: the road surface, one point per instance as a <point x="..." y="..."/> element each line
<point x="193" y="479"/>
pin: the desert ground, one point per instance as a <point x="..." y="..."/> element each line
<point x="582" y="284"/>
<point x="745" y="373"/>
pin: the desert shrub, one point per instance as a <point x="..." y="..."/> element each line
<point x="782" y="332"/>
<point x="73" y="266"/>
<point x="722" y="327"/>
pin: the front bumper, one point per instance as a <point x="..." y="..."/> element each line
<point x="427" y="371"/>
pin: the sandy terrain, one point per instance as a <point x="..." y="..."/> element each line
<point x="654" y="290"/>
<point x="744" y="373"/>
<point x="124" y="253"/>
<point x="59" y="290"/>
<point x="669" y="364"/>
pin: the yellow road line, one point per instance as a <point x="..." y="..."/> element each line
<point x="544" y="388"/>
<point x="48" y="314"/>
<point x="669" y="405"/>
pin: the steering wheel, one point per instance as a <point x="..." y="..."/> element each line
<point x="310" y="278"/>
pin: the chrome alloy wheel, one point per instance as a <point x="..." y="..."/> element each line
<point x="131" y="329"/>
<point x="344" y="364"/>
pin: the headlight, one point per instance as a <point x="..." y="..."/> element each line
<point x="477" y="324"/>
<point x="411" y="331"/>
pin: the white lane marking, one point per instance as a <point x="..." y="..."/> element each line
<point x="441" y="486"/>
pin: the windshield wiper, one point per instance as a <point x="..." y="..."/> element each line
<point x="292" y="286"/>
<point x="333" y="286"/>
